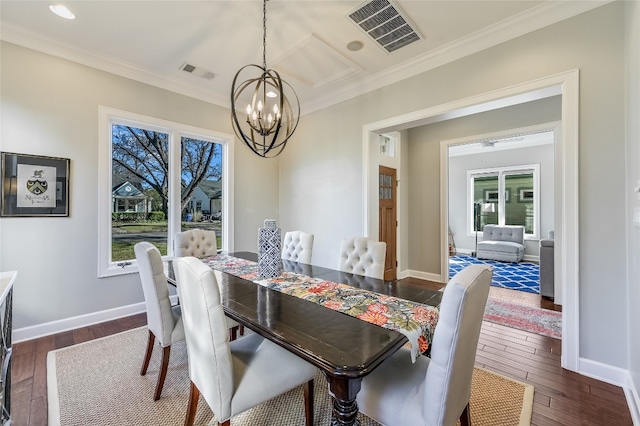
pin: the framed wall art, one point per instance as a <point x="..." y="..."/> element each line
<point x="34" y="185"/>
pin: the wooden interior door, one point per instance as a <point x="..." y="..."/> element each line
<point x="387" y="188"/>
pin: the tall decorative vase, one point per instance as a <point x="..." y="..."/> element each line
<point x="269" y="250"/>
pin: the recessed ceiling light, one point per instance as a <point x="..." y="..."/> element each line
<point x="355" y="45"/>
<point x="62" y="11"/>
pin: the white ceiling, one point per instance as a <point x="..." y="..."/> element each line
<point x="306" y="39"/>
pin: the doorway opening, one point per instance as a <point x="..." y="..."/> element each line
<point x="503" y="178"/>
<point x="565" y="192"/>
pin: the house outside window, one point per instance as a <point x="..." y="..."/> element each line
<point x="128" y="198"/>
<point x="504" y="196"/>
<point x="152" y="172"/>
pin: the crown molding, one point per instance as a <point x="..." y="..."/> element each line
<point x="16" y="35"/>
<point x="548" y="13"/>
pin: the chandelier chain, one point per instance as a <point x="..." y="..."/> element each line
<point x="264" y="34"/>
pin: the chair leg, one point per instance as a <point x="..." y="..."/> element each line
<point x="233" y="333"/>
<point x="147" y="355"/>
<point x="241" y="329"/>
<point x="308" y="402"/>
<point x="192" y="405"/>
<point x="166" y="351"/>
<point x="465" y="417"/>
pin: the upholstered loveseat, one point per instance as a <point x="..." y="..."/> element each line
<point x="504" y="243"/>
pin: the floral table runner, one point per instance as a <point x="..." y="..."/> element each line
<point x="415" y="320"/>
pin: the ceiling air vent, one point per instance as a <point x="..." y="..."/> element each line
<point x="197" y="71"/>
<point x="386" y="23"/>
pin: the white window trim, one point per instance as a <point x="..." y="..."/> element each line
<point x="106" y="116"/>
<point x="501" y="213"/>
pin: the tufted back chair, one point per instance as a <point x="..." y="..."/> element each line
<point x="363" y="256"/>
<point x="196" y="243"/>
<point x="297" y="246"/>
<point x="199" y="243"/>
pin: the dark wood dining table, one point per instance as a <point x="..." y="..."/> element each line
<point x="344" y="348"/>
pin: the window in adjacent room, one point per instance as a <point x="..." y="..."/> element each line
<point x="158" y="177"/>
<point x="388" y="145"/>
<point x="504" y="196"/>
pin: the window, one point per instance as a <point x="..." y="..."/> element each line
<point x="504" y="196"/>
<point x="387" y="145"/>
<point x="158" y="177"/>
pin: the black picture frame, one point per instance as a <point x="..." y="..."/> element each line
<point x="34" y="185"/>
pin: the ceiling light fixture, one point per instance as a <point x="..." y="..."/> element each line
<point x="268" y="117"/>
<point x="62" y="11"/>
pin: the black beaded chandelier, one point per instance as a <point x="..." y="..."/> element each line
<point x="263" y="116"/>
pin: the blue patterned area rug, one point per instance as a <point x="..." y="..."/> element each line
<point x="522" y="276"/>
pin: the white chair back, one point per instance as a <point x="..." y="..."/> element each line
<point x="297" y="246"/>
<point x="455" y="340"/>
<point x="161" y="319"/>
<point x="433" y="391"/>
<point x="195" y="242"/>
<point x="363" y="256"/>
<point x="164" y="321"/>
<point x="210" y="365"/>
<point x="231" y="376"/>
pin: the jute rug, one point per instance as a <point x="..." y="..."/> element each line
<point x="98" y="383"/>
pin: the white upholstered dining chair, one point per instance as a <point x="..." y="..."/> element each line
<point x="231" y="376"/>
<point x="297" y="246"/>
<point x="202" y="243"/>
<point x="163" y="320"/>
<point x="363" y="256"/>
<point x="195" y="242"/>
<point x="434" y="391"/>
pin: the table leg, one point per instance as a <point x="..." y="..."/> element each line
<point x="345" y="407"/>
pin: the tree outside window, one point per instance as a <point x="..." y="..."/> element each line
<point x="141" y="163"/>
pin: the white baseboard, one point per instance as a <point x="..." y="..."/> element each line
<point x="53" y="327"/>
<point x="604" y="372"/>
<point x="419" y="274"/>
<point x="464" y="251"/>
<point x="633" y="400"/>
<point x="615" y="376"/>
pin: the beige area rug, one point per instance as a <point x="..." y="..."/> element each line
<point x="99" y="383"/>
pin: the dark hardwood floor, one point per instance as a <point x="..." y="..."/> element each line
<point x="561" y="397"/>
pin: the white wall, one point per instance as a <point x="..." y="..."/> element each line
<point x="458" y="167"/>
<point x="321" y="172"/>
<point x="633" y="176"/>
<point x="50" y="107"/>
